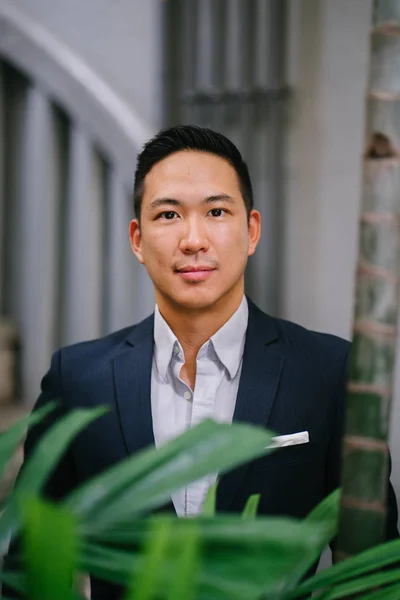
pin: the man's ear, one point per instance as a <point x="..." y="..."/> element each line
<point x="254" y="231"/>
<point x="136" y="240"/>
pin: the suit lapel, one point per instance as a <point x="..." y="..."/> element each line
<point x="261" y="370"/>
<point x="132" y="377"/>
<point x="259" y="380"/>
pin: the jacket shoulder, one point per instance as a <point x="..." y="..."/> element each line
<point x="101" y="349"/>
<point x="322" y="356"/>
<point x="298" y="336"/>
<point x="296" y="340"/>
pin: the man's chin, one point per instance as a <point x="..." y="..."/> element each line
<point x="196" y="299"/>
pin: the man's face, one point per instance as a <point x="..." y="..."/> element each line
<point x="194" y="236"/>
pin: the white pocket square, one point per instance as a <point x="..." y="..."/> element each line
<point x="291" y="439"/>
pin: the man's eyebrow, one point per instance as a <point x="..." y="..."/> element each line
<point x="165" y="202"/>
<point x="219" y="198"/>
<point x="174" y="202"/>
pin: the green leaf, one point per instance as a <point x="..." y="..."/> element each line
<point x="145" y="585"/>
<point x="325" y="517"/>
<point x="114" y="565"/>
<point x="184" y="580"/>
<point x="43" y="460"/>
<point x="16" y="581"/>
<point x="370" y="560"/>
<point x="362" y="584"/>
<point x="392" y="592"/>
<point x="166" y="564"/>
<point x="52" y="446"/>
<point x="250" y="510"/>
<point x="210" y="503"/>
<point x="327" y="512"/>
<point x="239" y="558"/>
<point x="49" y="545"/>
<point x="146" y="481"/>
<point x="12" y="437"/>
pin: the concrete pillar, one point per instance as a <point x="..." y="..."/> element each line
<point x="266" y="152"/>
<point x="82" y="312"/>
<point x="2" y="187"/>
<point x="328" y="46"/>
<point x="37" y="241"/>
<point x="120" y="292"/>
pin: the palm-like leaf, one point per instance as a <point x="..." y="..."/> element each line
<point x="12" y="437"/>
<point x="210" y="502"/>
<point x="223" y="557"/>
<point x="362" y="564"/>
<point x="146" y="584"/>
<point x="361" y="585"/>
<point x="389" y="593"/>
<point x="147" y="480"/>
<point x="239" y="558"/>
<point x="50" y="550"/>
<point x="43" y="460"/>
<point x="250" y="510"/>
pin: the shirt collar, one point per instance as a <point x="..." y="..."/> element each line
<point x="228" y="341"/>
<point x="164" y="343"/>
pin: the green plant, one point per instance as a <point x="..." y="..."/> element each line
<point x="99" y="527"/>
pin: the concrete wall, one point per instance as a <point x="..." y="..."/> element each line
<point x="328" y="66"/>
<point x="128" y="56"/>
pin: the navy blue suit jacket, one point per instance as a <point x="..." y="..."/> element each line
<point x="292" y="380"/>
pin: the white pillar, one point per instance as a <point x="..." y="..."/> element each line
<point x="82" y="313"/>
<point x="38" y="240"/>
<point x="2" y="189"/>
<point x="120" y="292"/>
<point x="188" y="58"/>
<point x="232" y="72"/>
<point x="328" y="49"/>
<point x="205" y="41"/>
<point x="233" y="39"/>
<point x="268" y="131"/>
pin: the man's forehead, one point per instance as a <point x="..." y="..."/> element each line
<point x="194" y="162"/>
<point x="189" y="168"/>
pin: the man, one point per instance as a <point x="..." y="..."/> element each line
<point x="207" y="351"/>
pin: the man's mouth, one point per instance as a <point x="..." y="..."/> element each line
<point x="196" y="272"/>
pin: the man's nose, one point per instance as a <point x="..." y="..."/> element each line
<point x="195" y="237"/>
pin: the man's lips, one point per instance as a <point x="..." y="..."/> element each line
<point x="195" y="268"/>
<point x="195" y="273"/>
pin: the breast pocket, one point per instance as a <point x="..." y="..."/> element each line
<point x="288" y="455"/>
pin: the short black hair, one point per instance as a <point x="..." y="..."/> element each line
<point x="190" y="137"/>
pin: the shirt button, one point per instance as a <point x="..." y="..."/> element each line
<point x="176" y="348"/>
<point x="187" y="395"/>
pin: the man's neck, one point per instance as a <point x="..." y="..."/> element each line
<point x="194" y="328"/>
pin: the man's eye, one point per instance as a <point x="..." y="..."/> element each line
<point x="217" y="212"/>
<point x="167" y="214"/>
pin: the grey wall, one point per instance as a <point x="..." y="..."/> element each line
<point x="128" y="56"/>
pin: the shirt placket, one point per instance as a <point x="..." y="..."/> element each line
<point x="208" y="377"/>
<point x="183" y="411"/>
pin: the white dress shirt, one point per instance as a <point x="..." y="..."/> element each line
<point x="176" y="408"/>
